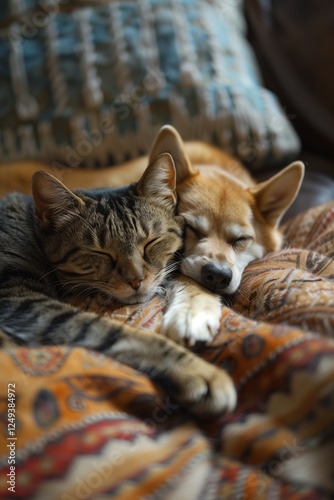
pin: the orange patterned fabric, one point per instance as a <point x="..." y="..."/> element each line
<point x="88" y="427"/>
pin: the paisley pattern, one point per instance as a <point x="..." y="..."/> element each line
<point x="90" y="427"/>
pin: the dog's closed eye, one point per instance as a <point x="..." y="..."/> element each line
<point x="241" y="242"/>
<point x="198" y="226"/>
<point x="196" y="232"/>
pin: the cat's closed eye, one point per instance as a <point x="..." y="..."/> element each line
<point x="149" y="245"/>
<point x="84" y="262"/>
<point x="106" y="256"/>
<point x="155" y="248"/>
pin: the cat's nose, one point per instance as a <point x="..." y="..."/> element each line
<point x="132" y="276"/>
<point x="135" y="284"/>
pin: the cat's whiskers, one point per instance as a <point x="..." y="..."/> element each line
<point x="66" y="288"/>
<point x="59" y="284"/>
<point x="98" y="297"/>
<point x="83" y="285"/>
<point x="109" y="300"/>
<point x="47" y="274"/>
<point x="87" y="289"/>
<point x="170" y="268"/>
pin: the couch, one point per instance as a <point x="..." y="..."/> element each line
<point x="76" y="92"/>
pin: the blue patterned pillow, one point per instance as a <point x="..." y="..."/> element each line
<point x="92" y="85"/>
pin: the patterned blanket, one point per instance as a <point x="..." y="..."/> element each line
<point x="87" y="427"/>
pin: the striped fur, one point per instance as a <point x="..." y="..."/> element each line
<point x="59" y="246"/>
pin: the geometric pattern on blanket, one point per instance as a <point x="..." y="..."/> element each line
<point x="295" y="286"/>
<point x="89" y="427"/>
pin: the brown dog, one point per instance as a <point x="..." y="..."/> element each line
<point x="230" y="222"/>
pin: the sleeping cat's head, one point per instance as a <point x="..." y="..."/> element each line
<point x="117" y="242"/>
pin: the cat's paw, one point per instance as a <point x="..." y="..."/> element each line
<point x="208" y="391"/>
<point x="197" y="320"/>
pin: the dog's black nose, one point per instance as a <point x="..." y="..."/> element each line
<point x="216" y="277"/>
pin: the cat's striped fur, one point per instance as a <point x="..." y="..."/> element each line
<point x="58" y="246"/>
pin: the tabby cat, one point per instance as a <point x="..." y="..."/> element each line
<point x="59" y="245"/>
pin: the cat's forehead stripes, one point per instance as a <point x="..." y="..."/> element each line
<point x="119" y="220"/>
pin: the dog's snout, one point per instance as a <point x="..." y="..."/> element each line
<point x="216" y="277"/>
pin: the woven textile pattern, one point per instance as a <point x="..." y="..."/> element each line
<point x="89" y="427"/>
<point x="90" y="83"/>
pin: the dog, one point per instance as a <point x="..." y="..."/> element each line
<point x="230" y="221"/>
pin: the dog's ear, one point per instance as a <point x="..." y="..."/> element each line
<point x="169" y="140"/>
<point x="274" y="196"/>
<point x="159" y="181"/>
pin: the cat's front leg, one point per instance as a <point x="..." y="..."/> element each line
<point x="203" y="388"/>
<point x="192" y="314"/>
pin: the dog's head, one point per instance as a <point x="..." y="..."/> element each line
<point x="230" y="220"/>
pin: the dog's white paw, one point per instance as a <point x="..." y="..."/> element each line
<point x="197" y="320"/>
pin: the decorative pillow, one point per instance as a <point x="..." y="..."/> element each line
<point x="91" y="84"/>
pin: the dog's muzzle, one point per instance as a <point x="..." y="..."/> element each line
<point x="216" y="277"/>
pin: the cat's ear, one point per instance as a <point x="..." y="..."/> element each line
<point x="169" y="140"/>
<point x="55" y="203"/>
<point x="274" y="196"/>
<point x="159" y="181"/>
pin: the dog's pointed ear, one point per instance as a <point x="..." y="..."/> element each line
<point x="55" y="204"/>
<point x="159" y="181"/>
<point x="169" y="140"/>
<point x="274" y="196"/>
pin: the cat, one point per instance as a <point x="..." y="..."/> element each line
<point x="58" y="245"/>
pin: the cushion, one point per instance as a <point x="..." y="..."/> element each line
<point x="91" y="84"/>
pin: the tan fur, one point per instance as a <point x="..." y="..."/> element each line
<point x="17" y="176"/>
